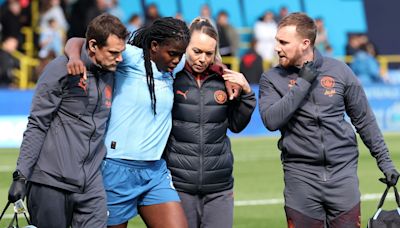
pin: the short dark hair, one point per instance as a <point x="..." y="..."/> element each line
<point x="305" y="26"/>
<point x="104" y="25"/>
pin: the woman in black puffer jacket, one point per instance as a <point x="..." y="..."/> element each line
<point x="198" y="152"/>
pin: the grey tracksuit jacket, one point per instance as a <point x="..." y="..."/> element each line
<point x="316" y="140"/>
<point x="63" y="144"/>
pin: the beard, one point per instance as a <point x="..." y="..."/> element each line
<point x="286" y="62"/>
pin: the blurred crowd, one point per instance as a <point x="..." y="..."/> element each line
<point x="61" y="19"/>
<point x="364" y="59"/>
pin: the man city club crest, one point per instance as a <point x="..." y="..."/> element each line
<point x="220" y="96"/>
<point x="328" y="83"/>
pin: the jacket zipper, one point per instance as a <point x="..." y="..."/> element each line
<point x="201" y="139"/>
<point x="321" y="137"/>
<point x="93" y="132"/>
<point x="199" y="85"/>
<point x="201" y="104"/>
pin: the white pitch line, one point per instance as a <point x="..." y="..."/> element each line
<point x="365" y="197"/>
<point x="240" y="203"/>
<point x="6" y="168"/>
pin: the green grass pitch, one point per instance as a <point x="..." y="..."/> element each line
<point x="258" y="182"/>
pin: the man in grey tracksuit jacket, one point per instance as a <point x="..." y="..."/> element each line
<point x="319" y="147"/>
<point x="63" y="145"/>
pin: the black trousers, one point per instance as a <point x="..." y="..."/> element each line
<point x="51" y="207"/>
<point x="208" y="211"/>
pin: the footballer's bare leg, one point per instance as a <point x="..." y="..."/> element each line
<point x="164" y="215"/>
<point x="123" y="225"/>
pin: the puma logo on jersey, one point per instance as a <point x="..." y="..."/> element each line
<point x="184" y="94"/>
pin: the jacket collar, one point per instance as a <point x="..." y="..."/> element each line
<point x="318" y="58"/>
<point x="212" y="69"/>
<point x="89" y="64"/>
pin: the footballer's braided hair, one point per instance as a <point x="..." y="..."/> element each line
<point x="162" y="30"/>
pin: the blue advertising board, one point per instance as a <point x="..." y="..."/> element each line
<point x="384" y="100"/>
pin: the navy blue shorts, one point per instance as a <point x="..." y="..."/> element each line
<point x="130" y="184"/>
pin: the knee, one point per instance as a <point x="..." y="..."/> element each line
<point x="296" y="219"/>
<point x="348" y="219"/>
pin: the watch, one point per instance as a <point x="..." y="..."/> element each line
<point x="17" y="175"/>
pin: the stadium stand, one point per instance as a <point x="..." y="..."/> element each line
<point x="341" y="18"/>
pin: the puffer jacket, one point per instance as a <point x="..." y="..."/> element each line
<point x="198" y="152"/>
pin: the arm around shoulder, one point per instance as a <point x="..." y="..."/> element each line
<point x="73" y="52"/>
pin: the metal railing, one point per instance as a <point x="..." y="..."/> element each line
<point x="384" y="61"/>
<point x="27" y="65"/>
<point x="28" y="62"/>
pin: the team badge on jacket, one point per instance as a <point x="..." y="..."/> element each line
<point x="328" y="83"/>
<point x="292" y="82"/>
<point x="83" y="84"/>
<point x="220" y="96"/>
<point x="108" y="94"/>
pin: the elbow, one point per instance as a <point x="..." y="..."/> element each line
<point x="235" y="130"/>
<point x="270" y="124"/>
<point x="237" y="127"/>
